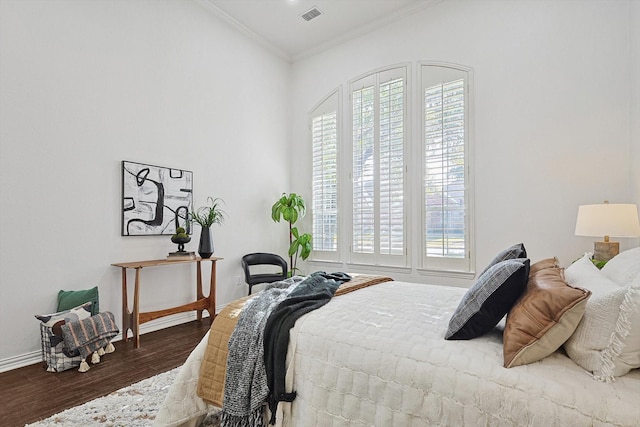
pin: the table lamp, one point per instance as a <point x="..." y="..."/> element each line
<point x="618" y="220"/>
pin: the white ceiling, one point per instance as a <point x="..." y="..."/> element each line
<point x="278" y="24"/>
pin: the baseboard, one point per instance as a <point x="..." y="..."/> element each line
<point x="34" y="357"/>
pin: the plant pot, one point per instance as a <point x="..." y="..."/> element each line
<point x="205" y="247"/>
<point x="180" y="241"/>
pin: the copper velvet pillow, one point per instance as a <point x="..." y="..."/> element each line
<point x="545" y="316"/>
<point x="540" y="265"/>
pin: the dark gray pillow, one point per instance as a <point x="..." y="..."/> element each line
<point x="512" y="252"/>
<point x="489" y="299"/>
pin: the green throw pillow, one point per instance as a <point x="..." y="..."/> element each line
<point x="70" y="299"/>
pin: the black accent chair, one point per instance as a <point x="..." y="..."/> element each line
<point x="262" y="258"/>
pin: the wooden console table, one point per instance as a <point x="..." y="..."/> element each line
<point x="133" y="319"/>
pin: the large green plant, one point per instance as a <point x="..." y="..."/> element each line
<point x="291" y="207"/>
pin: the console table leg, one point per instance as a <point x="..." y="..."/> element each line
<point x="126" y="315"/>
<point x="212" y="292"/>
<point x="199" y="294"/>
<point x="135" y="327"/>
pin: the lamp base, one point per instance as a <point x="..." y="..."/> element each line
<point x="604" y="251"/>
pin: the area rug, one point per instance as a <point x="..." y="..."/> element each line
<point x="132" y="406"/>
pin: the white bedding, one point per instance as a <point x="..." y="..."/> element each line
<point x="182" y="407"/>
<point x="377" y="357"/>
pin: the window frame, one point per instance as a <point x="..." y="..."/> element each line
<point x="415" y="260"/>
<point x="331" y="102"/>
<point x="374" y="78"/>
<point x="463" y="267"/>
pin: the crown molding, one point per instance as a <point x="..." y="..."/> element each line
<point x="244" y="29"/>
<point x="373" y="25"/>
<point x="358" y="32"/>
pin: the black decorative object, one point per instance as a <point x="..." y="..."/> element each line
<point x="180" y="240"/>
<point x="205" y="247"/>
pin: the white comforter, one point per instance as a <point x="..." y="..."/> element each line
<point x="377" y="357"/>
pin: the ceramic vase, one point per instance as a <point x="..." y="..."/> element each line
<point x="205" y="247"/>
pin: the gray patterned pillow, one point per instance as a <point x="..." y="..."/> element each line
<point x="512" y="252"/>
<point x="489" y="299"/>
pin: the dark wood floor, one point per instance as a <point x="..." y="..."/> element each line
<point x="31" y="393"/>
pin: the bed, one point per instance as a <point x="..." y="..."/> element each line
<point x="378" y="357"/>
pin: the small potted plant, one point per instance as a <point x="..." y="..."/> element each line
<point x="180" y="238"/>
<point x="206" y="216"/>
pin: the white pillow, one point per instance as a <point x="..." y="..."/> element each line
<point x="623" y="267"/>
<point x="607" y="340"/>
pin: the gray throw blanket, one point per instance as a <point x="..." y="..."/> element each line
<point x="314" y="292"/>
<point x="245" y="386"/>
<point x="90" y="334"/>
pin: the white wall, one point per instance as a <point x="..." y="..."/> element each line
<point x="87" y="84"/>
<point x="84" y="85"/>
<point x="634" y="25"/>
<point x="551" y="110"/>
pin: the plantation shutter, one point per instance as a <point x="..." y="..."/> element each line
<point x="445" y="169"/>
<point x="324" y="138"/>
<point x="363" y="174"/>
<point x="378" y="187"/>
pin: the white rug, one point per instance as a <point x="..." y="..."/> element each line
<point x="132" y="406"/>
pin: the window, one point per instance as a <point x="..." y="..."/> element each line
<point x="378" y="110"/>
<point x="446" y="237"/>
<point x="324" y="137"/>
<point x="376" y="211"/>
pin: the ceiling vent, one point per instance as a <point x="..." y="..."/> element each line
<point x="313" y="13"/>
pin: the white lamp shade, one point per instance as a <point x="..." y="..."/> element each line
<point x="618" y="220"/>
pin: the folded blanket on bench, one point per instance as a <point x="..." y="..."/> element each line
<point x="91" y="334"/>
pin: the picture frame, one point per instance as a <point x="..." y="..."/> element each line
<point x="155" y="200"/>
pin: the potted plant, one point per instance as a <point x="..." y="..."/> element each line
<point x="291" y="207"/>
<point x="180" y="238"/>
<point x="206" y="216"/>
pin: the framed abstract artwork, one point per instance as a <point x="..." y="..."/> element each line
<point x="155" y="199"/>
